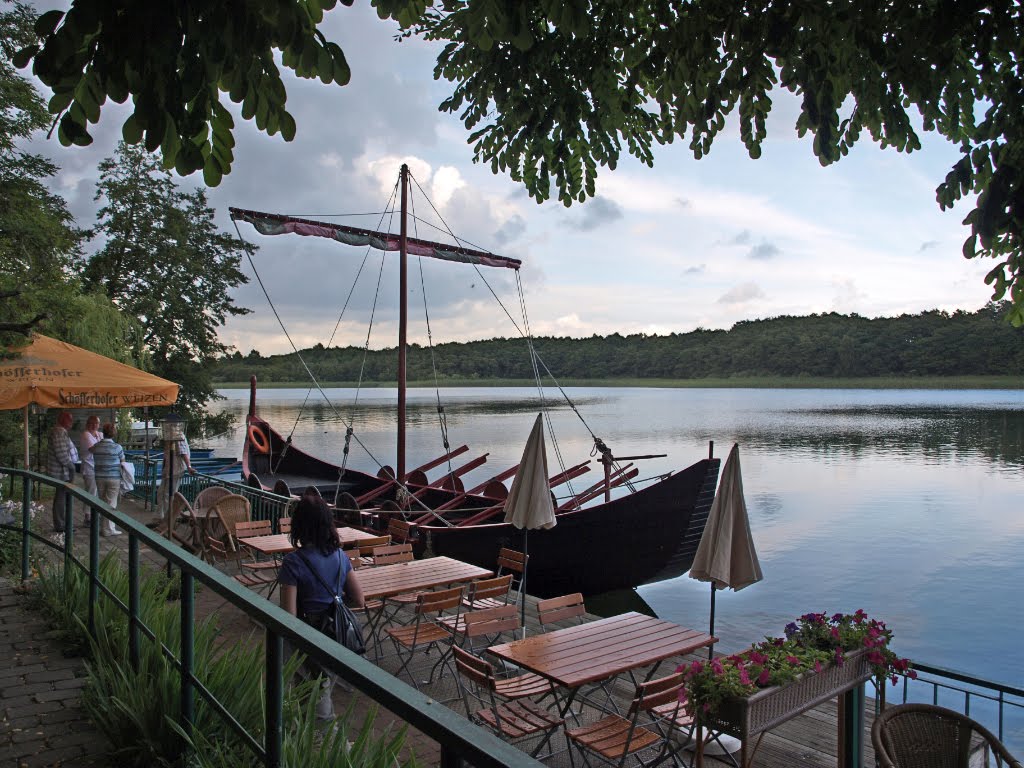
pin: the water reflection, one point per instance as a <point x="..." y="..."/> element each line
<point x="903" y="503"/>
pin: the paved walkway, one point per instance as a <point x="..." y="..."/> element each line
<point x="42" y="723"/>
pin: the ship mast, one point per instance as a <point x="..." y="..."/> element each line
<point x="403" y="317"/>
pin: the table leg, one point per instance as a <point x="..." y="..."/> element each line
<point x="851" y="728"/>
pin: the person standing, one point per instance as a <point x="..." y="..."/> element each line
<point x="108" y="456"/>
<point x="89" y="437"/>
<point x="318" y="551"/>
<point x="60" y="464"/>
<point x="177" y="457"/>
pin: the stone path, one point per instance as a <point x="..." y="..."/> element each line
<point x="42" y="723"/>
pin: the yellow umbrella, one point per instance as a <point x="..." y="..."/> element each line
<point x="56" y="374"/>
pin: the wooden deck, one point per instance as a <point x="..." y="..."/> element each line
<point x="808" y="740"/>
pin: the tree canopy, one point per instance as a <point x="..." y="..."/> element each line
<point x="165" y="262"/>
<point x="553" y="90"/>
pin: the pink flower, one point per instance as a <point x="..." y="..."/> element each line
<point x="744" y="677"/>
<point x="763" y="678"/>
<point x="793" y="660"/>
<point x="817" y="666"/>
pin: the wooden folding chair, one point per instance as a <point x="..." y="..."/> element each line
<point x="615" y="738"/>
<point x="505" y="706"/>
<point x="563" y="608"/>
<point x="487" y="593"/>
<point x="219" y="555"/>
<point x="509" y="562"/>
<point x="469" y="627"/>
<point x="425" y="634"/>
<point x="366" y="547"/>
<point x="284" y="525"/>
<point x="399" y="530"/>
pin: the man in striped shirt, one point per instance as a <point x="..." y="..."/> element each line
<point x="108" y="456"/>
<point x="60" y="464"/>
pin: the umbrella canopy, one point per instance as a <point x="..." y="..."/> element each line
<point x="528" y="505"/>
<point x="56" y="374"/>
<point x="726" y="554"/>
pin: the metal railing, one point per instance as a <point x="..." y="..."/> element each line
<point x="997" y="706"/>
<point x="264" y="505"/>
<point x="460" y="740"/>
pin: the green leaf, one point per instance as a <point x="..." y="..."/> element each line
<point x="21" y="59"/>
<point x="47" y="23"/>
<point x="131" y="131"/>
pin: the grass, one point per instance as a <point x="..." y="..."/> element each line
<point x="732" y="382"/>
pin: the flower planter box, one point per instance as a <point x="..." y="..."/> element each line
<point x="769" y="707"/>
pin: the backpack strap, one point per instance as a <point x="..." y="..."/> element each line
<point x="315" y="572"/>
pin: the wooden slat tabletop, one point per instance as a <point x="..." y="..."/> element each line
<point x="602" y="649"/>
<point x="416" y="575"/>
<point x="280" y="543"/>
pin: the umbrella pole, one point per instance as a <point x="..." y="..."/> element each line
<point x="711" y="625"/>
<point x="522" y="587"/>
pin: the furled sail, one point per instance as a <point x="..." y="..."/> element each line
<point x="277" y="224"/>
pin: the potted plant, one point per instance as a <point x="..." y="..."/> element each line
<point x="819" y="657"/>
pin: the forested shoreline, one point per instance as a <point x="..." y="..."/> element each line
<point x="929" y="344"/>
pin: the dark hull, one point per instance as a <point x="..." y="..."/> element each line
<point x="636" y="539"/>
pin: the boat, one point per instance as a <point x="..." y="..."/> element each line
<point x="613" y="534"/>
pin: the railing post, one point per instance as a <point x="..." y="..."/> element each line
<point x="94" y="567"/>
<point x="188" y="616"/>
<point x="134" y="601"/>
<point x="275" y="698"/>
<point x="26" y="509"/>
<point x="69" y="534"/>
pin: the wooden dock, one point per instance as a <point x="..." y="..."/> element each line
<point x="808" y="740"/>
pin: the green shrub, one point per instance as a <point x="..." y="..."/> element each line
<point x="138" y="708"/>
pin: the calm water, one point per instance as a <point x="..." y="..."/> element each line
<point x="905" y="503"/>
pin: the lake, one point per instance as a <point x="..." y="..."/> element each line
<point x="906" y="503"/>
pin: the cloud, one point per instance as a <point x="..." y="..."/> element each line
<point x="698" y="269"/>
<point x="598" y="211"/>
<point x="742" y="294"/>
<point x="764" y="252"/>
<point x="511" y="230"/>
<point x="742" y="238"/>
<point x="927" y="245"/>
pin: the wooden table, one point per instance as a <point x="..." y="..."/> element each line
<point x="280" y="543"/>
<point x="600" y="650"/>
<point x="416" y="575"/>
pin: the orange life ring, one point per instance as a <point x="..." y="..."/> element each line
<point x="258" y="439"/>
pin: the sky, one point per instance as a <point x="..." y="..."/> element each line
<point x="682" y="245"/>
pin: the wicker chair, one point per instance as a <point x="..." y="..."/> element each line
<point x="927" y="736"/>
<point x="224" y="515"/>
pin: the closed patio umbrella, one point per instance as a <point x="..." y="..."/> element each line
<point x="726" y="556"/>
<point x="529" y="506"/>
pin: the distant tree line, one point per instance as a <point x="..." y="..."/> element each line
<point x="931" y="343"/>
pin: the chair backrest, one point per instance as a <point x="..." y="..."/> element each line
<point x="366" y="546"/>
<point x="428" y="603"/>
<point x="206" y="497"/>
<point x="180" y="506"/>
<point x="560" y="608"/>
<point x="284" y="525"/>
<point x="353" y="556"/>
<point x="924" y="734"/>
<point x="392" y="553"/>
<point x="399" y="530"/>
<point x="489" y="589"/>
<point x="474" y="668"/>
<point x="247" y="528"/>
<point x="509" y="560"/>
<point x="490" y="621"/>
<point x="652" y="694"/>
<point x="231" y="509"/>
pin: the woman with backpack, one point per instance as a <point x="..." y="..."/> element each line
<point x="309" y="575"/>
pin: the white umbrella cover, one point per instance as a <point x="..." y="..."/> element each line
<point x="529" y="506"/>
<point x="726" y="555"/>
